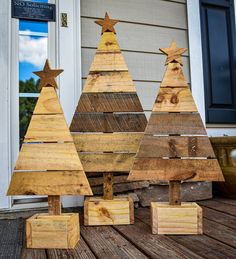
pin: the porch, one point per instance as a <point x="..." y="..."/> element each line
<point x="133" y="241"/>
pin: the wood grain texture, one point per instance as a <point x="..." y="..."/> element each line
<point x="109" y="82"/>
<point x="108" y="186"/>
<point x="108" y="122"/>
<point x="176" y="169"/>
<point x="48" y="128"/>
<point x="174" y="100"/>
<point x="109" y="61"/>
<point x="174" y="76"/>
<point x="52" y="231"/>
<point x="108" y="43"/>
<point x="174" y="192"/>
<point x="107" y="212"/>
<point x="107" y="162"/>
<point x="113" y="142"/>
<point x="48" y="156"/>
<point x="54" y="204"/>
<point x="175" y="146"/>
<point x="48" y="102"/>
<point x="176" y="220"/>
<point x="109" y="102"/>
<point x="49" y="183"/>
<point x="175" y="123"/>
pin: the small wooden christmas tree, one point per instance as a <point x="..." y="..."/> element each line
<point x="110" y="113"/>
<point x="175" y="148"/>
<point x="48" y="164"/>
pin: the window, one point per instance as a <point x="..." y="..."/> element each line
<point x="33" y="42"/>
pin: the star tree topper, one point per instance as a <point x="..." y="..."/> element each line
<point x="47" y="76"/>
<point x="173" y="53"/>
<point x="107" y="24"/>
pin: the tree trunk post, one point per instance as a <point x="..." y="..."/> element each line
<point x="175" y="192"/>
<point x="54" y="205"/>
<point x="108" y="186"/>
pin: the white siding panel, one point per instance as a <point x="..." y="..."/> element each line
<point x="154" y="12"/>
<point x="142" y="66"/>
<point x="135" y="37"/>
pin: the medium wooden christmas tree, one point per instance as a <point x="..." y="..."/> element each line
<point x="175" y="148"/>
<point x="48" y="164"/>
<point x="110" y="113"/>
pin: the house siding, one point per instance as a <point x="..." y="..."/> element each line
<point x="144" y="27"/>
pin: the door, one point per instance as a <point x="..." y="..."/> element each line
<point x="219" y="56"/>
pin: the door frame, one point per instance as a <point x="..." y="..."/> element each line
<point x="71" y="79"/>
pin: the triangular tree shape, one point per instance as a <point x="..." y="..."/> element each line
<point x="175" y="146"/>
<point x="109" y="111"/>
<point x="48" y="163"/>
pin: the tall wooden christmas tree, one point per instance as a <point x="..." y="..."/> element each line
<point x="107" y="127"/>
<point x="48" y="164"/>
<point x="175" y="148"/>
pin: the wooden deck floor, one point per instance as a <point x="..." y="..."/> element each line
<point x="136" y="241"/>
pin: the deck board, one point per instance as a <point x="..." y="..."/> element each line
<point x="133" y="241"/>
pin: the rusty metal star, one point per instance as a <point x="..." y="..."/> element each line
<point x="107" y="24"/>
<point x="48" y="75"/>
<point x="173" y="53"/>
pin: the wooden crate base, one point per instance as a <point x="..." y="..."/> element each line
<point x="185" y="219"/>
<point x="53" y="231"/>
<point x="119" y="211"/>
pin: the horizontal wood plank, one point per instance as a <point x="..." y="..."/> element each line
<point x="109" y="102"/>
<point x="105" y="82"/>
<point x="174" y="100"/>
<point x="154" y="12"/>
<point x="114" y="142"/>
<point x="49" y="183"/>
<point x="48" y="102"/>
<point x="108" y="122"/>
<point x="48" y="128"/>
<point x="176" y="169"/>
<point x="175" y="123"/>
<point x="107" y="162"/>
<point x="108" y="61"/>
<point x="48" y="156"/>
<point x="175" y="146"/>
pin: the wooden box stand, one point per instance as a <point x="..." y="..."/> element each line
<point x="108" y="210"/>
<point x="176" y="218"/>
<point x="53" y="231"/>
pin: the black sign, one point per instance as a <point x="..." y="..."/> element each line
<point x="33" y="10"/>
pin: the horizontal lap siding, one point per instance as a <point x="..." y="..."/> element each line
<point x="145" y="27"/>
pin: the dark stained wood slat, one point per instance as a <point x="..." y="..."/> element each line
<point x="105" y="242"/>
<point x="33" y="254"/>
<point x="219" y="206"/>
<point x="220" y="217"/>
<point x="80" y="251"/>
<point x="108" y="122"/>
<point x="201" y="245"/>
<point x="222" y="233"/>
<point x="11" y="241"/>
<point x="176" y="169"/>
<point x="226" y="201"/>
<point x="175" y="146"/>
<point x="109" y="102"/>
<point x="154" y="246"/>
<point x="175" y="123"/>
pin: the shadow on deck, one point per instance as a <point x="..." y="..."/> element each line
<point x="134" y="241"/>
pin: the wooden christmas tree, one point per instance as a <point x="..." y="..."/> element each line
<point x="48" y="164"/>
<point x="107" y="127"/>
<point x="175" y="148"/>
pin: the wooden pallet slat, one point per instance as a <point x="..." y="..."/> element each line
<point x="49" y="183"/>
<point x="48" y="128"/>
<point x="175" y="146"/>
<point x="108" y="122"/>
<point x="114" y="142"/>
<point x="174" y="100"/>
<point x="109" y="102"/>
<point x="50" y="156"/>
<point x="108" y="43"/>
<point x="119" y="81"/>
